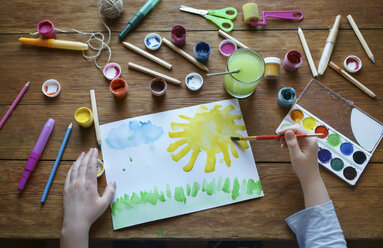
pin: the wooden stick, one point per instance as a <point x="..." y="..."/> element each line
<point x="147" y="55"/>
<point x="222" y="73"/>
<point x="184" y="54"/>
<point x="269" y="137"/>
<point x="361" y="38"/>
<point x="307" y="52"/>
<point x="153" y="73"/>
<point x="95" y="116"/>
<point x="227" y="36"/>
<point x="352" y="79"/>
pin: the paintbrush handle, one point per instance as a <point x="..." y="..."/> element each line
<point x="269" y="137"/>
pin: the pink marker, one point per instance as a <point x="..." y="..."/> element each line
<point x="35" y="155"/>
<point x="46" y="29"/>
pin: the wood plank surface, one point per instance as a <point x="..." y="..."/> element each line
<point x="360" y="209"/>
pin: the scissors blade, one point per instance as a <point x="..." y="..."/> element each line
<point x="193" y="10"/>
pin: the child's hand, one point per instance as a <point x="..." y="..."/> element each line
<point x="303" y="153"/>
<point x="82" y="203"/>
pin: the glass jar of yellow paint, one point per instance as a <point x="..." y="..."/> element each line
<point x="251" y="69"/>
<point x="272" y="67"/>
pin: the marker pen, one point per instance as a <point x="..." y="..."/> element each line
<point x="53" y="43"/>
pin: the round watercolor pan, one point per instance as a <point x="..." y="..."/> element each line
<point x="350" y="173"/>
<point x="359" y="157"/>
<point x="346" y="148"/>
<point x="296" y="115"/>
<point x="322" y="129"/>
<point x="337" y="164"/>
<point x="309" y="123"/>
<point x="324" y="155"/>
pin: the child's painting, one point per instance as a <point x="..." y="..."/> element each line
<point x="178" y="162"/>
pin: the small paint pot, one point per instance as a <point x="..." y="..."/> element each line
<point x="100" y="168"/>
<point x="352" y="64"/>
<point x="119" y="88"/>
<point x="286" y="96"/>
<point x="51" y="88"/>
<point x="153" y="41"/>
<point x="272" y="67"/>
<point x="84" y="117"/>
<point x="158" y="86"/>
<point x="46" y="29"/>
<point x="112" y="71"/>
<point x="202" y="51"/>
<point x="227" y="47"/>
<point x="293" y="60"/>
<point x="178" y="35"/>
<point x="194" y="81"/>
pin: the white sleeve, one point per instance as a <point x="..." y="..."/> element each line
<point x="317" y="226"/>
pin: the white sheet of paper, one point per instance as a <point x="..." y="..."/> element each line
<point x="151" y="185"/>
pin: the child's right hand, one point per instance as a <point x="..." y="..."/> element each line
<point x="303" y="153"/>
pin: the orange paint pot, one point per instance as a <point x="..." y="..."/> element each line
<point x="119" y="88"/>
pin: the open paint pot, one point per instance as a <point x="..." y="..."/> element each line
<point x="84" y="117"/>
<point x="46" y="29"/>
<point x="293" y="60"/>
<point x="51" y="88"/>
<point x="158" y="86"/>
<point x="194" y="81"/>
<point x="202" y="51"/>
<point x="119" y="88"/>
<point x="178" y="35"/>
<point x="227" y="47"/>
<point x="153" y="41"/>
<point x="100" y="168"/>
<point x="352" y="64"/>
<point x="112" y="71"/>
<point x="286" y="96"/>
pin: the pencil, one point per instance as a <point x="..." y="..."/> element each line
<point x="147" y="55"/>
<point x="153" y="73"/>
<point x="227" y="36"/>
<point x="307" y="52"/>
<point x="95" y="116"/>
<point x="15" y="102"/>
<point x="269" y="137"/>
<point x="352" y="79"/>
<point x="56" y="164"/>
<point x="184" y="54"/>
<point x="361" y="38"/>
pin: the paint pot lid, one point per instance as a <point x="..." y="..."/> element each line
<point x="274" y="60"/>
<point x="194" y="81"/>
<point x="224" y="42"/>
<point x="51" y="88"/>
<point x="153" y="41"/>
<point x="112" y="70"/>
<point x="100" y="168"/>
<point x="352" y="64"/>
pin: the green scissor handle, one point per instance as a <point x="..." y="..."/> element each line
<point x="224" y="13"/>
<point x="224" y="24"/>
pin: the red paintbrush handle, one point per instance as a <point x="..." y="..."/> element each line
<point x="268" y="137"/>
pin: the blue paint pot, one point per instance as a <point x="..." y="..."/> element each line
<point x="286" y="96"/>
<point x="202" y="51"/>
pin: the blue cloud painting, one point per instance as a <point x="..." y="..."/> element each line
<point x="133" y="134"/>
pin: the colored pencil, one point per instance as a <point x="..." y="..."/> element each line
<point x="227" y="36"/>
<point x="184" y="54"/>
<point x="95" y="116"/>
<point x="361" y="38"/>
<point x="269" y="137"/>
<point x="222" y="73"/>
<point x="352" y="79"/>
<point x="307" y="52"/>
<point x="56" y="164"/>
<point x="147" y="55"/>
<point x="12" y="107"/>
<point x="153" y="73"/>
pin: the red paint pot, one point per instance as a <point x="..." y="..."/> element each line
<point x="158" y="86"/>
<point x="119" y="88"/>
<point x="178" y="35"/>
<point x="293" y="60"/>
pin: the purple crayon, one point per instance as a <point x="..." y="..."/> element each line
<point x="36" y="153"/>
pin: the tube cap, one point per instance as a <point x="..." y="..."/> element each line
<point x="51" y="88"/>
<point x="153" y="41"/>
<point x="194" y="81"/>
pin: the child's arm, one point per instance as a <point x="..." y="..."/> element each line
<point x="82" y="203"/>
<point x="317" y="225"/>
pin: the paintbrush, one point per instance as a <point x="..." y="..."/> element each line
<point x="269" y="137"/>
<point x="222" y="73"/>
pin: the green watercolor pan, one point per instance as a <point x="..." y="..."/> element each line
<point x="350" y="135"/>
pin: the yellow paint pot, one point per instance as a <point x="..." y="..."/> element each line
<point x="100" y="168"/>
<point x="84" y="117"/>
<point x="272" y="67"/>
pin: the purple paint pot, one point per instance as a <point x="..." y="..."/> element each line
<point x="46" y="29"/>
<point x="293" y="60"/>
<point x="178" y="35"/>
<point x="112" y="71"/>
<point x="227" y="47"/>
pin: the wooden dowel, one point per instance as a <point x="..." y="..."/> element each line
<point x="153" y="73"/>
<point x="227" y="36"/>
<point x="184" y="54"/>
<point x="147" y="55"/>
<point x="95" y="116"/>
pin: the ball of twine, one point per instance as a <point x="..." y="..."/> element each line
<point x="111" y="8"/>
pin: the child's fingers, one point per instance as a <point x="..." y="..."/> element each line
<point x="295" y="128"/>
<point x="74" y="168"/>
<point x="108" y="194"/>
<point x="67" y="179"/>
<point x="292" y="144"/>
<point x="84" y="166"/>
<point x="91" y="174"/>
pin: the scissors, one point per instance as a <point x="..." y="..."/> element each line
<point x="214" y="16"/>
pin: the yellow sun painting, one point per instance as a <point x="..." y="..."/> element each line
<point x="208" y="131"/>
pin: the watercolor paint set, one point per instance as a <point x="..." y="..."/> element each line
<point x="350" y="135"/>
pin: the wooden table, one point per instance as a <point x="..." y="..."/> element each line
<point x="360" y="209"/>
